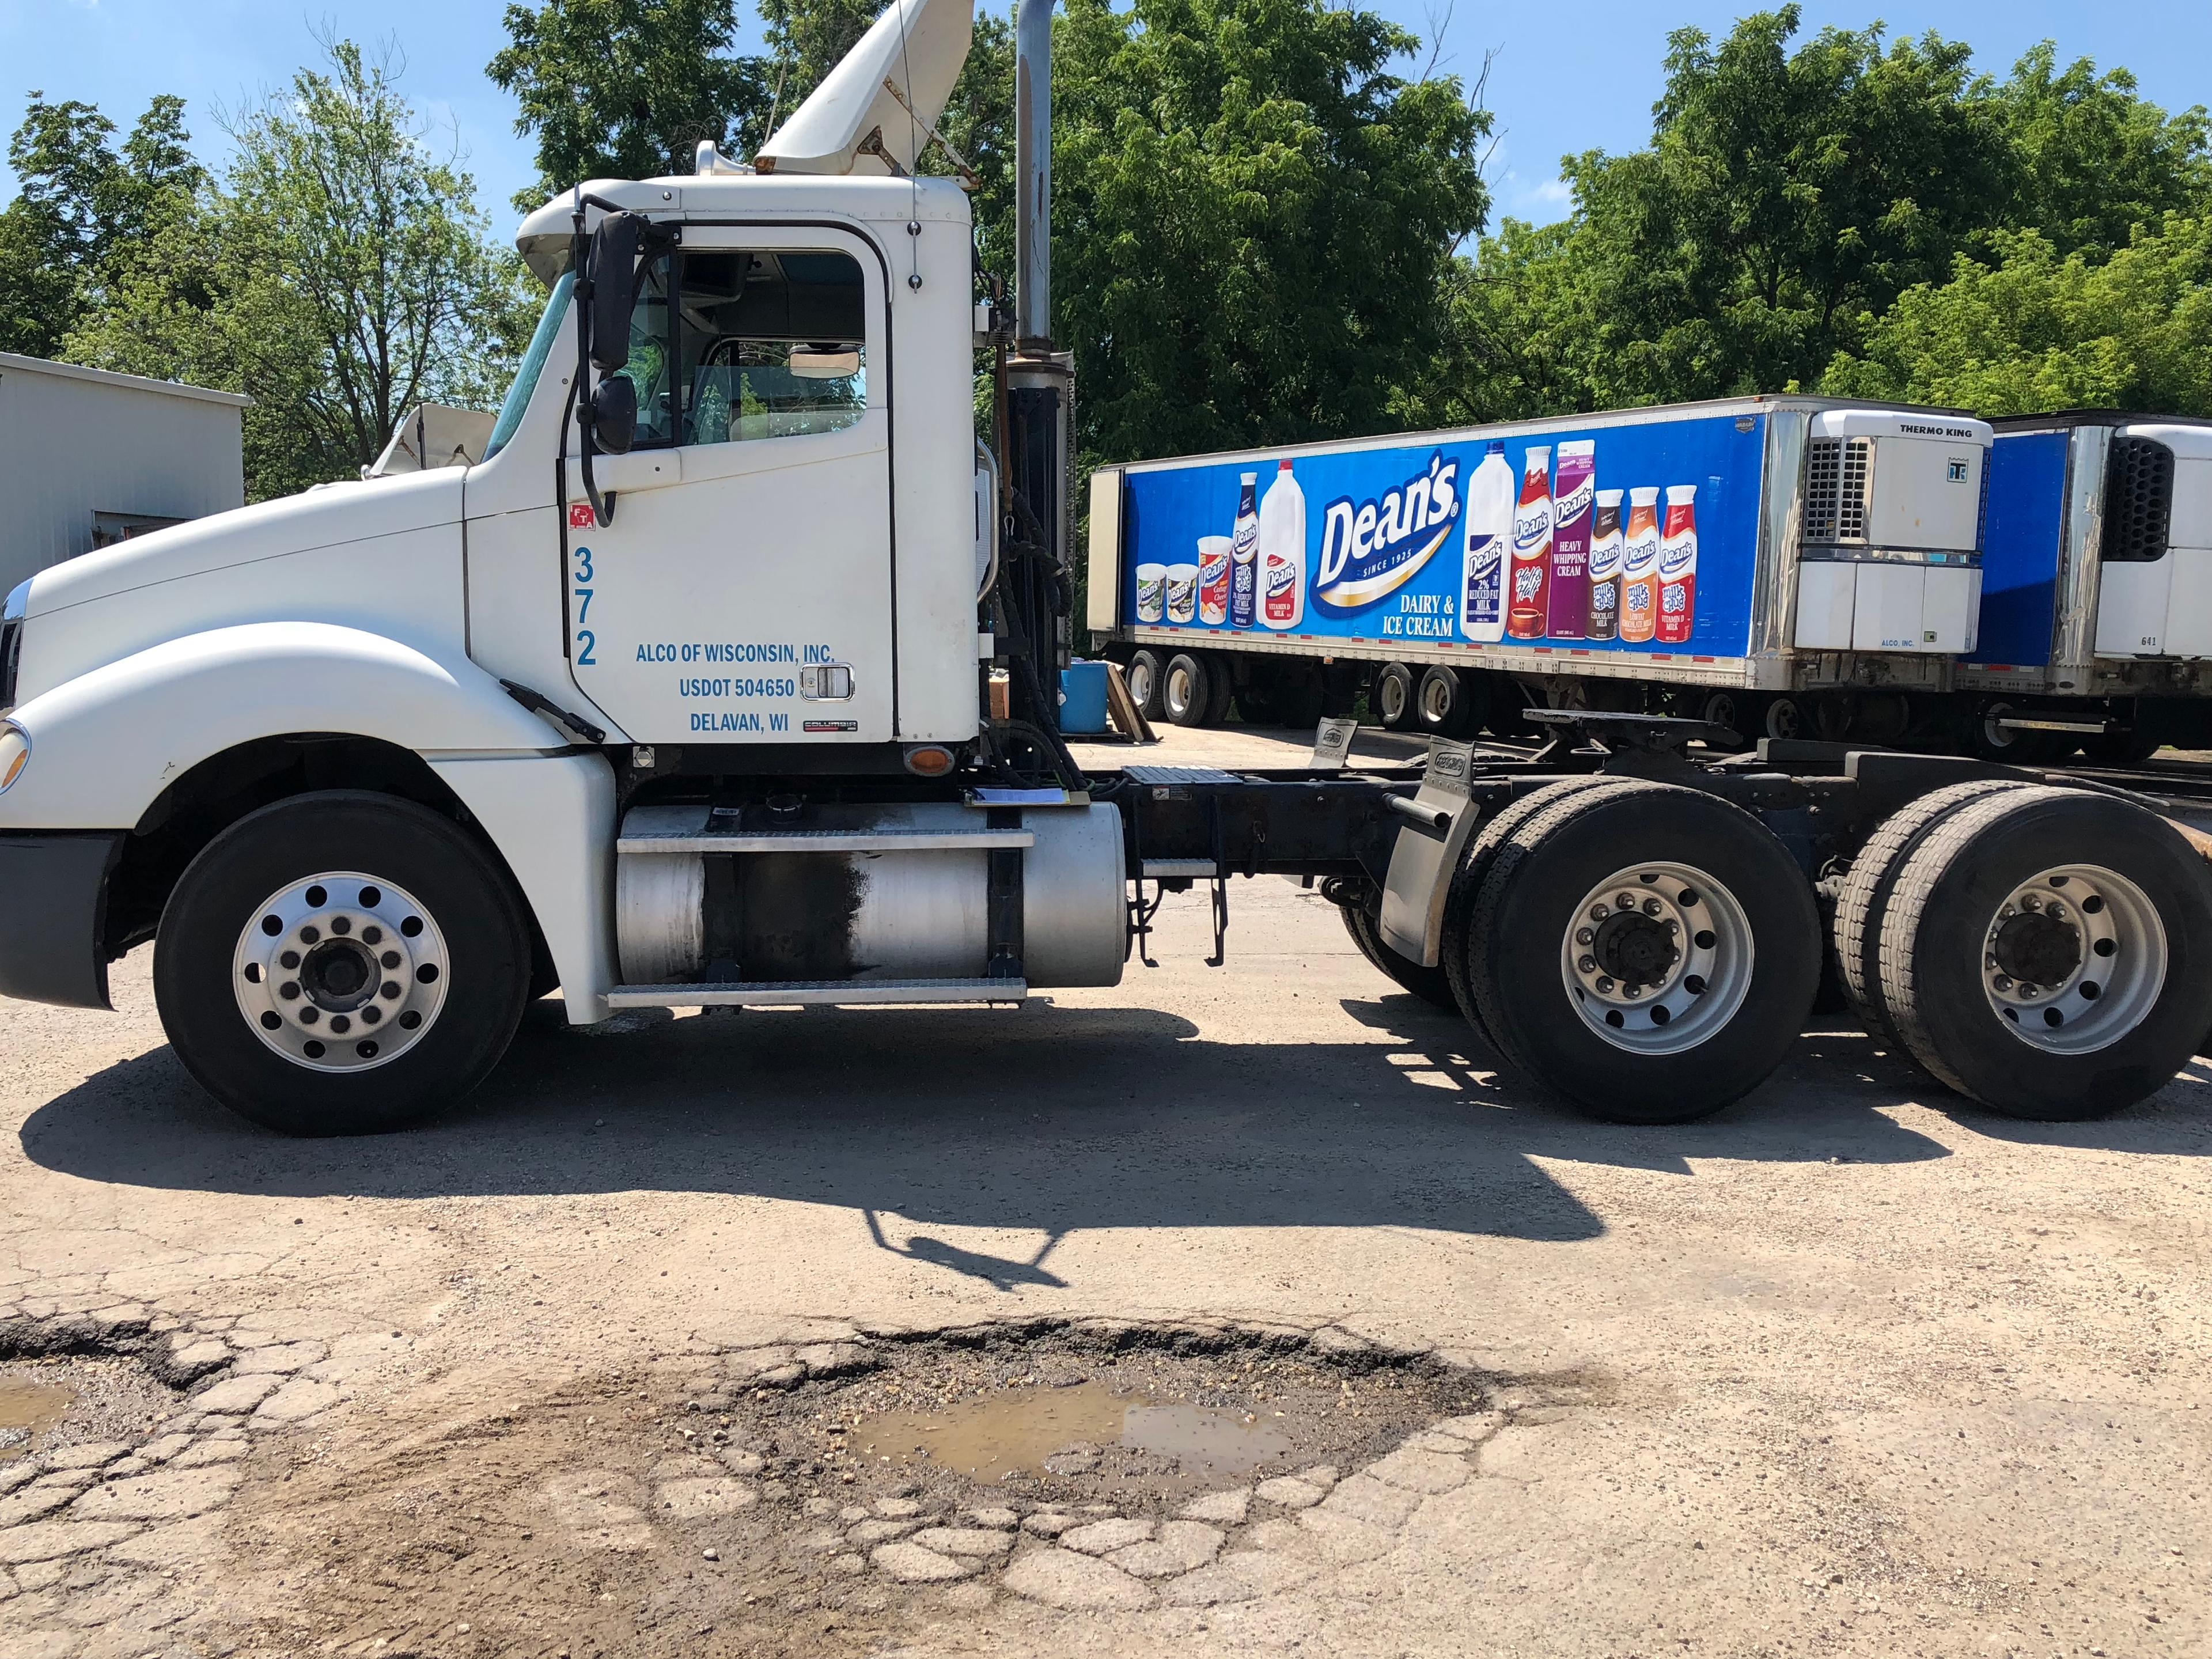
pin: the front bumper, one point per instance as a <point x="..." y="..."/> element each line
<point x="53" y="915"/>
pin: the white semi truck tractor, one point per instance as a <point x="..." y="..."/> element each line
<point x="679" y="696"/>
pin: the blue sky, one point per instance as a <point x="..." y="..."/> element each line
<point x="1566" y="79"/>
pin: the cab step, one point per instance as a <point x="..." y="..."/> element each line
<point x="810" y="993"/>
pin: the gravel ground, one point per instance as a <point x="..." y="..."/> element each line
<point x="1849" y="1368"/>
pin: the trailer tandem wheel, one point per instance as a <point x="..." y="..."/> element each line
<point x="1451" y="704"/>
<point x="1648" y="951"/>
<point x="341" y="964"/>
<point x="1221" y="672"/>
<point x="1186" y="690"/>
<point x="1147" y="672"/>
<point x="1391" y="699"/>
<point x="2048" y="953"/>
<point x="1866" y="894"/>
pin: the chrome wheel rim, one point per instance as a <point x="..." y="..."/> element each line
<point x="1390" y="698"/>
<point x="2074" y="959"/>
<point x="1657" y="958"/>
<point x="340" y="972"/>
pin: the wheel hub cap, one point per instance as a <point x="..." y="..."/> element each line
<point x="2074" y="959"/>
<point x="340" y="972"/>
<point x="1657" y="958"/>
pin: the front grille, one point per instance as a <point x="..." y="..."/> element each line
<point x="1836" y="470"/>
<point x="2138" y="500"/>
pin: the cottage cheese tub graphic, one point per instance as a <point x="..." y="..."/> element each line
<point x="1183" y="592"/>
<point x="1152" y="592"/>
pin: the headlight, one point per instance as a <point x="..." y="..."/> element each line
<point x="14" y="752"/>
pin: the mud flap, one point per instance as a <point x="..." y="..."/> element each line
<point x="1422" y="863"/>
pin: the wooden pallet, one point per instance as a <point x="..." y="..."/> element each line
<point x="1121" y="708"/>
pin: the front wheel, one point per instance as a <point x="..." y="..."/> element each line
<point x="341" y="964"/>
<point x="1648" y="952"/>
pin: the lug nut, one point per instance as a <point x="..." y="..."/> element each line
<point x="1651" y="907"/>
<point x="1586" y="965"/>
<point x="1584" y="936"/>
<point x="1605" y="985"/>
<point x="2003" y="983"/>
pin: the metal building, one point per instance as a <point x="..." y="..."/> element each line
<point x="89" y="457"/>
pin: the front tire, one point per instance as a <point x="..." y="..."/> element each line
<point x="1647" y="951"/>
<point x="341" y="964"/>
<point x="2048" y="953"/>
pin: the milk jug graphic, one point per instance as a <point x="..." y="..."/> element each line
<point x="1282" y="543"/>
<point x="1639" y="568"/>
<point x="1489" y="537"/>
<point x="1605" y="549"/>
<point x="1532" y="547"/>
<point x="1244" y="554"/>
<point x="1678" y="566"/>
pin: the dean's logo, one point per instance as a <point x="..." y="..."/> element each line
<point x="1369" y="548"/>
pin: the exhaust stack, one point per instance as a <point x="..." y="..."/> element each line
<point x="1033" y="170"/>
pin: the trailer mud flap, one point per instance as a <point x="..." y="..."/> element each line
<point x="1422" y="863"/>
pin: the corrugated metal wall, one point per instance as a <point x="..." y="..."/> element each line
<point x="71" y="447"/>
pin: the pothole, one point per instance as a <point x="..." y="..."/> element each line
<point x="1055" y="1420"/>
<point x="50" y="1404"/>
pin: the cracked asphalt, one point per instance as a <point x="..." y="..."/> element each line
<point x="1849" y="1368"/>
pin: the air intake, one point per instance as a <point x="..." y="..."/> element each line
<point x="2138" y="502"/>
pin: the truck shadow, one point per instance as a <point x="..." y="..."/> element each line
<point x="1056" y="1119"/>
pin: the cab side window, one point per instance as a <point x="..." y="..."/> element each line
<point x="763" y="344"/>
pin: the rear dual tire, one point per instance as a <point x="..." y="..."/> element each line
<point x="1651" y="988"/>
<point x="2048" y="952"/>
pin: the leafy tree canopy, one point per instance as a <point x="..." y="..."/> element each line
<point x="627" y="88"/>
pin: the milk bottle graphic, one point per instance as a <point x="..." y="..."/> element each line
<point x="1573" y="487"/>
<point x="1639" y="567"/>
<point x="1489" y="538"/>
<point x="1678" y="565"/>
<point x="1525" y="615"/>
<point x="1283" y="552"/>
<point x="1244" y="554"/>
<point x="1605" y="549"/>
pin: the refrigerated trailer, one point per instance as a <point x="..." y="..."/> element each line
<point x="679" y="696"/>
<point x="1733" y="557"/>
<point x="2097" y="602"/>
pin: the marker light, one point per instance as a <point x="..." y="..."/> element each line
<point x="929" y="760"/>
<point x="15" y="750"/>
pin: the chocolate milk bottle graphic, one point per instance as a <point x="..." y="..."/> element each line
<point x="1605" y="550"/>
<point x="1528" y="601"/>
<point x="1573" y="485"/>
<point x="1639" y="568"/>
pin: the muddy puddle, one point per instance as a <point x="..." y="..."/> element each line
<point x="1037" y="1431"/>
<point x="1048" y="1423"/>
<point x="28" y="1409"/>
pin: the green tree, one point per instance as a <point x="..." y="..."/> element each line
<point x="2093" y="160"/>
<point x="2031" y="329"/>
<point x="627" y="88"/>
<point x="81" y="211"/>
<point x="1251" y="211"/>
<point x="341" y="276"/>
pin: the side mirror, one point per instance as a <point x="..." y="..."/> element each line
<point x="614" y="246"/>
<point x="614" y="415"/>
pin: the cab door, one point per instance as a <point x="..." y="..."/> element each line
<point x="743" y="591"/>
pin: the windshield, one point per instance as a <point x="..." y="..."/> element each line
<point x="534" y="362"/>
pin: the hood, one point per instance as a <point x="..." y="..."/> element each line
<point x="328" y="515"/>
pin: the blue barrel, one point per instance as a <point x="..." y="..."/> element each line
<point x="1083" y="698"/>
